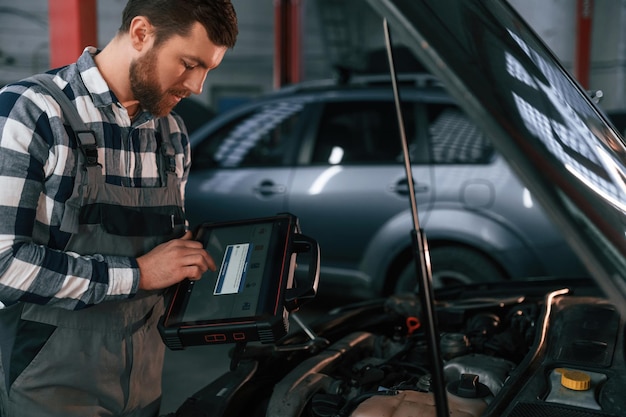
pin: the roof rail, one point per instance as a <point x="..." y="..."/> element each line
<point x="416" y="79"/>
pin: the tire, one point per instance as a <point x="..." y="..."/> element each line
<point x="452" y="265"/>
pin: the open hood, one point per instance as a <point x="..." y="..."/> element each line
<point x="538" y="116"/>
<point x="529" y="347"/>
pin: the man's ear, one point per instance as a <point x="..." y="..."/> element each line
<point x="141" y="32"/>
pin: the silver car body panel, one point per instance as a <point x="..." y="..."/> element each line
<point x="508" y="81"/>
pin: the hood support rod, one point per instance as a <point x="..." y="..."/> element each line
<point x="421" y="255"/>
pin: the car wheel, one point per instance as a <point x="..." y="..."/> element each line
<point x="452" y="265"/>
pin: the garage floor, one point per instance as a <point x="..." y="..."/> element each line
<point x="187" y="371"/>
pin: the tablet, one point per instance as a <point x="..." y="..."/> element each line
<point x="249" y="296"/>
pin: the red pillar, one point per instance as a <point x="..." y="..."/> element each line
<point x="73" y="26"/>
<point x="287" y="38"/>
<point x="584" y="19"/>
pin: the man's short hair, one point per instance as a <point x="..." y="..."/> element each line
<point x="175" y="17"/>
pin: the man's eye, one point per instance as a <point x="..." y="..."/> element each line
<point x="188" y="66"/>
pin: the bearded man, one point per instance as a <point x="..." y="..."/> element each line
<point x="90" y="238"/>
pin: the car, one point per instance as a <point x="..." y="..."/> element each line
<point x="329" y="153"/>
<point x="544" y="346"/>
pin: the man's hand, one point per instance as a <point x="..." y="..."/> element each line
<point x="173" y="261"/>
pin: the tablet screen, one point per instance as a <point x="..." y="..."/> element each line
<point x="251" y="261"/>
<point x="241" y="254"/>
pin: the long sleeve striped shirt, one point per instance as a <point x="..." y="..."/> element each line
<point x="37" y="168"/>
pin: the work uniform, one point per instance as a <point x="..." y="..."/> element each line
<point x="105" y="358"/>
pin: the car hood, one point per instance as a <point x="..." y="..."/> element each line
<point x="538" y="116"/>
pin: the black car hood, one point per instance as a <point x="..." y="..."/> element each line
<point x="538" y="116"/>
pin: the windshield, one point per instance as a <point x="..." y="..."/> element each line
<point x="536" y="114"/>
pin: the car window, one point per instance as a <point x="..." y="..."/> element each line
<point x="454" y="139"/>
<point x="256" y="139"/>
<point x="360" y="132"/>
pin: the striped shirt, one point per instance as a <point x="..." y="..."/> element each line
<point x="37" y="168"/>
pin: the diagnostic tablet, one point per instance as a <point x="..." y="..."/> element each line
<point x="249" y="296"/>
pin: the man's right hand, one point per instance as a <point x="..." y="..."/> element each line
<point x="173" y="261"/>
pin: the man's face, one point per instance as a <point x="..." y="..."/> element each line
<point x="175" y="69"/>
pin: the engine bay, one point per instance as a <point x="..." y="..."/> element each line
<point x="503" y="355"/>
<point x="369" y="373"/>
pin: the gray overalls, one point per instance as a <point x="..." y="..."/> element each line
<point x="104" y="360"/>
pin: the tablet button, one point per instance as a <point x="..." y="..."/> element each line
<point x="215" y="338"/>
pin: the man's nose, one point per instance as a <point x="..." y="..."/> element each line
<point x="195" y="81"/>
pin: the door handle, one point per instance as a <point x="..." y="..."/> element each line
<point x="402" y="187"/>
<point x="268" y="188"/>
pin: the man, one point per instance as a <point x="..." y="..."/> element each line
<point x="88" y="244"/>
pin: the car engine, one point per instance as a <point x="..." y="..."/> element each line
<point x="529" y="349"/>
<point x="366" y="374"/>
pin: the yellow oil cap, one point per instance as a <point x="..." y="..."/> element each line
<point x="574" y="380"/>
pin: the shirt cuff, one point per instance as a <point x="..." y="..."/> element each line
<point x="123" y="276"/>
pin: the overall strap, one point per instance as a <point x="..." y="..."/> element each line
<point x="90" y="171"/>
<point x="167" y="168"/>
<point x="85" y="137"/>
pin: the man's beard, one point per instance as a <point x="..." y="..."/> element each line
<point x="145" y="86"/>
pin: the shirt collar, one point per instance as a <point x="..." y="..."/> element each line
<point x="93" y="80"/>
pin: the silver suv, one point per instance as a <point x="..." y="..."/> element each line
<point x="329" y="153"/>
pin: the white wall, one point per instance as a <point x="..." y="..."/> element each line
<point x="555" y="22"/>
<point x="247" y="70"/>
<point x="23" y="38"/>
